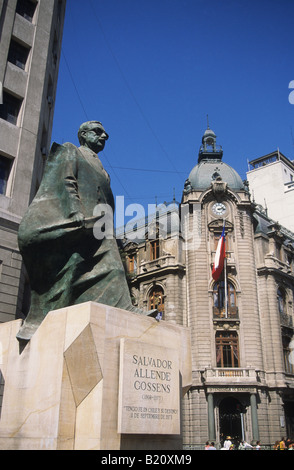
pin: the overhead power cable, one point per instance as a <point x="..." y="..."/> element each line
<point x="129" y="88"/>
<point x="147" y="169"/>
<point x="87" y="118"/>
<point x="73" y="82"/>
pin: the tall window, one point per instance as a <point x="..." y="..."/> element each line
<point x="10" y="108"/>
<point x="217" y="236"/>
<point x="156" y="299"/>
<point x="154" y="249"/>
<point x="26" y="8"/>
<point x="18" y="54"/>
<point x="281" y="298"/>
<point x="278" y="250"/>
<point x="227" y="349"/>
<point x="132" y="263"/>
<point x="288" y="353"/>
<point x="289" y="261"/>
<point x="5" y="167"/>
<point x="219" y="299"/>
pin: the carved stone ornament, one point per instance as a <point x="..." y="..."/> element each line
<point x="217" y="225"/>
<point x="219" y="187"/>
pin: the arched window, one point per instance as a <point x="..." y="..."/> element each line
<point x="227" y="349"/>
<point x="288" y="348"/>
<point x="219" y="304"/>
<point x="156" y="299"/>
<point x="281" y="297"/>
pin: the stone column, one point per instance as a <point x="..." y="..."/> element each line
<point x="211" y="422"/>
<point x="254" y="419"/>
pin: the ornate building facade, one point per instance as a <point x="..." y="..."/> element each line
<point x="242" y="324"/>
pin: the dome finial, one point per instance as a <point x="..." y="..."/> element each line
<point x="209" y="150"/>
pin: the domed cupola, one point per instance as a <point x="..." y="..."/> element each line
<point x="209" y="150"/>
<point x="211" y="168"/>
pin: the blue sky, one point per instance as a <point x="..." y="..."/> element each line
<point x="151" y="71"/>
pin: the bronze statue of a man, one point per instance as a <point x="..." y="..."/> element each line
<point x="66" y="264"/>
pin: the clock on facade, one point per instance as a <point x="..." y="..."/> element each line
<point x="219" y="208"/>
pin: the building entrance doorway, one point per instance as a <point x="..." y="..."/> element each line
<point x="289" y="416"/>
<point x="231" y="420"/>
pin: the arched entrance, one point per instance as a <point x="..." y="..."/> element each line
<point x="231" y="420"/>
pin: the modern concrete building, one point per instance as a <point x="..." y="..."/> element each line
<point x="30" y="47"/>
<point x="243" y="374"/>
<point x="271" y="183"/>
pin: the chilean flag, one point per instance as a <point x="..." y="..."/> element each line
<point x="219" y="256"/>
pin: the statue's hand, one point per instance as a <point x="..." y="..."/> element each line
<point x="78" y="219"/>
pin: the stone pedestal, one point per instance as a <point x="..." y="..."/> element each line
<point x="94" y="377"/>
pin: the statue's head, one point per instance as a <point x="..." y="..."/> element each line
<point x="92" y="135"/>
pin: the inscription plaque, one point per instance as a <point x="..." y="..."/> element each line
<point x="149" y="389"/>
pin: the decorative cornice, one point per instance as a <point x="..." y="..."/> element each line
<point x="9" y="224"/>
<point x="265" y="271"/>
<point x="159" y="271"/>
<point x="217" y="224"/>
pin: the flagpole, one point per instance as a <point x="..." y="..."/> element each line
<point x="226" y="287"/>
<point x="225" y="282"/>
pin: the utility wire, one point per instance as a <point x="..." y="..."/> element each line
<point x="87" y="118"/>
<point x="130" y="89"/>
<point x="138" y="105"/>
<point x="147" y="169"/>
<point x="73" y="82"/>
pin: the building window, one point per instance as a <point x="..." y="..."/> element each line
<point x="219" y="304"/>
<point x="288" y="347"/>
<point x="26" y="8"/>
<point x="278" y="250"/>
<point x="217" y="236"/>
<point x="59" y="11"/>
<point x="281" y="298"/>
<point x="132" y="263"/>
<point x="18" y="54"/>
<point x="156" y="300"/>
<point x="5" y="167"/>
<point x="227" y="349"/>
<point x="10" y="108"/>
<point x="154" y="249"/>
<point x="289" y="261"/>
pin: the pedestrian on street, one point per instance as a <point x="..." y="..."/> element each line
<point x="282" y="444"/>
<point x="211" y="447"/>
<point x="228" y="443"/>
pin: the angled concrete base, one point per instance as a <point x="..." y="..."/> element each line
<point x="62" y="391"/>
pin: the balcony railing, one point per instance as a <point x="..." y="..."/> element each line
<point x="228" y="375"/>
<point x="161" y="262"/>
<point x="220" y="313"/>
<point x="211" y="149"/>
